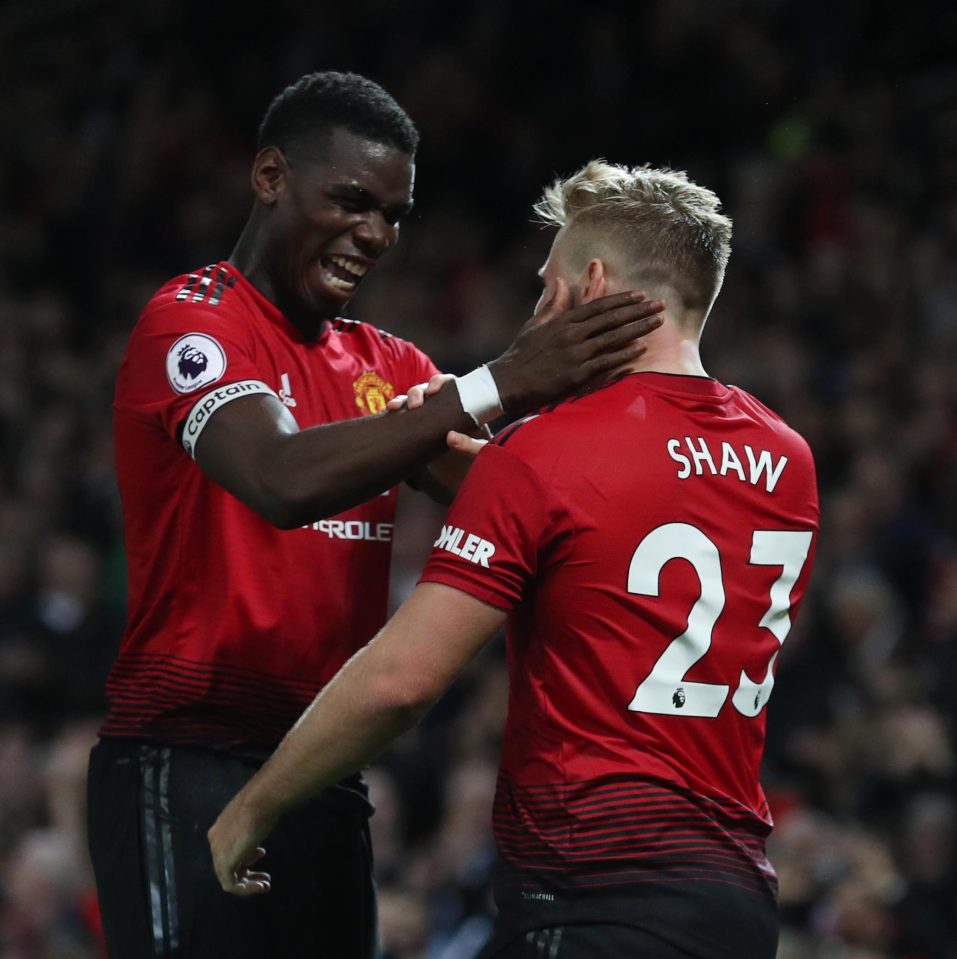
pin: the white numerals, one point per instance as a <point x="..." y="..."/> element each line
<point x="665" y="690"/>
<point x="660" y="693"/>
<point x="787" y="549"/>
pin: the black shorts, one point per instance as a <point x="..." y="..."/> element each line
<point x="660" y="917"/>
<point x="588" y="941"/>
<point x="149" y="809"/>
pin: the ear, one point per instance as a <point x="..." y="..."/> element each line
<point x="269" y="175"/>
<point x="594" y="282"/>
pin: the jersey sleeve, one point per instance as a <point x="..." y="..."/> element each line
<point x="411" y="366"/>
<point x="184" y="362"/>
<point x="497" y="532"/>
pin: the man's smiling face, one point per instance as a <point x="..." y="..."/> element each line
<point x="334" y="217"/>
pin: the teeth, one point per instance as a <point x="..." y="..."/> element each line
<point x="356" y="269"/>
<point x="336" y="282"/>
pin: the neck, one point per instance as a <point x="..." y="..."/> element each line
<point x="248" y="258"/>
<point x="669" y="350"/>
<point x="251" y="258"/>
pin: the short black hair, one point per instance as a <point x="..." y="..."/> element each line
<point x="305" y="114"/>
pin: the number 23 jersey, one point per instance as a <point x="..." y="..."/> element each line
<point x="652" y="541"/>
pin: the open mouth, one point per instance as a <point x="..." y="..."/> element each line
<point x="342" y="273"/>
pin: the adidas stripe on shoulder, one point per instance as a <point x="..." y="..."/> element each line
<point x="205" y="287"/>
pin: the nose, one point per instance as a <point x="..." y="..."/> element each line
<point x="374" y="235"/>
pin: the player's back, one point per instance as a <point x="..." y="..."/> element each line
<point x="669" y="583"/>
<point x="653" y="540"/>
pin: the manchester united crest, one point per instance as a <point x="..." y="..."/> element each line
<point x="372" y="392"/>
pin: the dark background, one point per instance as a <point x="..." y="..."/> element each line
<point x="830" y="131"/>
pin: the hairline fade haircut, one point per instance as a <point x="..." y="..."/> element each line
<point x="659" y="225"/>
<point x="304" y="115"/>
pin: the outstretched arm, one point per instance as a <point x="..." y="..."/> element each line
<point x="381" y="692"/>
<point x="253" y="447"/>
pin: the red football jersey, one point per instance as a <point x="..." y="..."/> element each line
<point x="234" y="625"/>
<point x="652" y="541"/>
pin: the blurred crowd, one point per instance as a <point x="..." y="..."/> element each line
<point x="830" y="131"/>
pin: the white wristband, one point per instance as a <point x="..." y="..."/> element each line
<point x="479" y="395"/>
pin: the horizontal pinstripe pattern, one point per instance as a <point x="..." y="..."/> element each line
<point x="184" y="702"/>
<point x="615" y="831"/>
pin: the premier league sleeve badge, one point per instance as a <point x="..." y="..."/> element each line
<point x="194" y="360"/>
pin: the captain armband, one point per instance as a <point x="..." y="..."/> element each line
<point x="206" y="405"/>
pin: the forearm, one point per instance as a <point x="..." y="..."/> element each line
<point x="293" y="477"/>
<point x="350" y="722"/>
<point x="328" y="469"/>
<point x="382" y="691"/>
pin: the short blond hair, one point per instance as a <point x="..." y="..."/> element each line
<point x="664" y="227"/>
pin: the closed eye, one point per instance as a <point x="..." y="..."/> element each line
<point x="354" y="199"/>
<point x="351" y="204"/>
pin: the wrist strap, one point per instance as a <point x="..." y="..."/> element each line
<point x="479" y="395"/>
